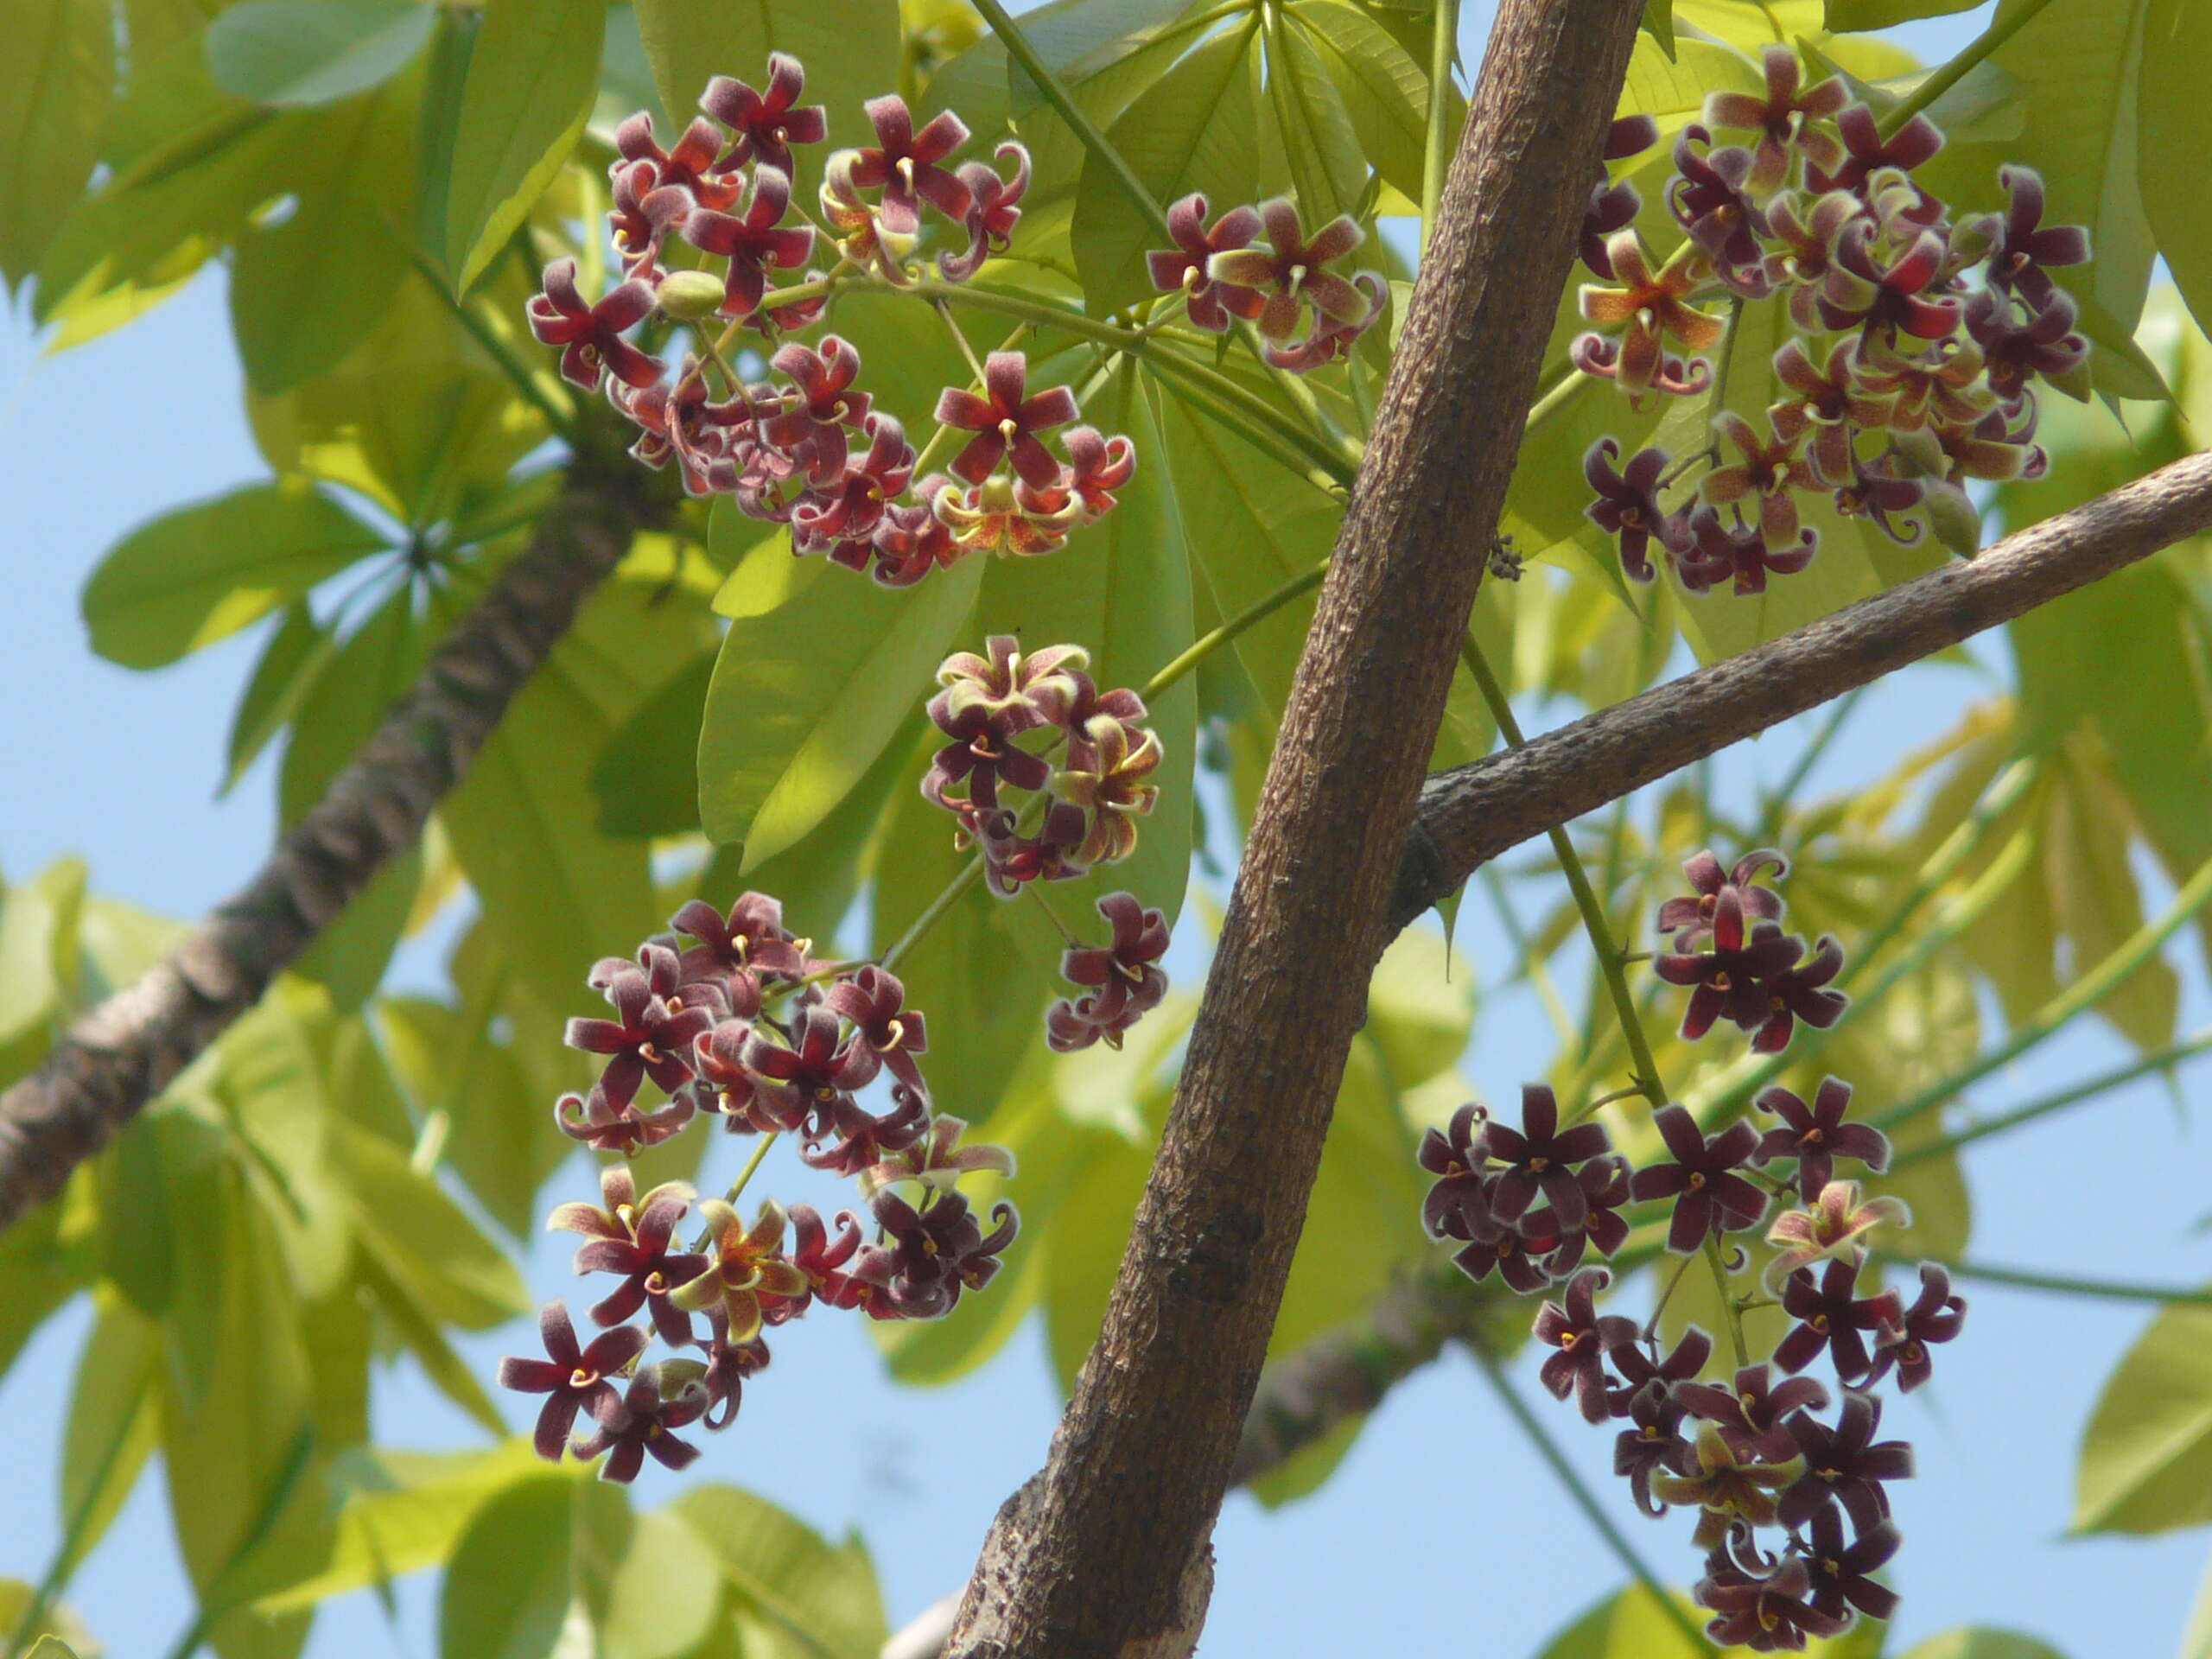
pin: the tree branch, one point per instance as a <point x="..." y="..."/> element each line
<point x="1068" y="1571"/>
<point x="123" y="1053"/>
<point x="1472" y="813"/>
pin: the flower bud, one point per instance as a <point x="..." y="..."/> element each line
<point x="687" y="295"/>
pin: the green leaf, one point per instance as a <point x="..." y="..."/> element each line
<point x="38" y="962"/>
<point x="817" y="673"/>
<point x="787" y="1572"/>
<point x="1197" y="129"/>
<point x="2170" y="150"/>
<point x="426" y="1240"/>
<point x="400" y="1511"/>
<point x="1420" y="1008"/>
<point x="1983" y="1642"/>
<point x="1385" y="91"/>
<point x="201" y="573"/>
<point x="305" y="290"/>
<point x="1847" y="17"/>
<point x="52" y="1647"/>
<point x="40" y="1274"/>
<point x="666" y="1594"/>
<point x="851" y="50"/>
<point x="297" y="650"/>
<point x="558" y="893"/>
<point x="505" y="1594"/>
<point x="114" y="1420"/>
<point x="646" y="777"/>
<point x="2147" y="1457"/>
<point x="286" y="51"/>
<point x="2196" y="1640"/>
<point x="533" y="77"/>
<point x="56" y="82"/>
<point x="1321" y="144"/>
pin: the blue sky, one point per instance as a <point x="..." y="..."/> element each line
<point x="1441" y="1522"/>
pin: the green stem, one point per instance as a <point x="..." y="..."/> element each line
<point x="2065" y="1285"/>
<point x="562" y="421"/>
<point x="938" y="907"/>
<point x="2082" y="996"/>
<point x="1555" y="399"/>
<point x="1215" y="639"/>
<point x="2000" y="30"/>
<point x="745" y="1176"/>
<point x="1436" y="158"/>
<point x="68" y="1556"/>
<point x="272" y="1505"/>
<point x="1295" y="450"/>
<point x="2188" y="1048"/>
<point x="1584" y="1499"/>
<point x="967" y="352"/>
<point x="1778" y="802"/>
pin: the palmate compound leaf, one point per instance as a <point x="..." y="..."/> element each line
<point x="202" y="572"/>
<point x="2146" y="1455"/>
<point x="1385" y="91"/>
<point x="788" y="1575"/>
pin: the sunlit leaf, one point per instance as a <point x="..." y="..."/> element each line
<point x="55" y="85"/>
<point x="2147" y="1457"/>
<point x="314" y="51"/>
<point x="788" y="1571"/>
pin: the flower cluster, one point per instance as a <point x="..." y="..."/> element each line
<point x="1919" y="337"/>
<point x="1753" y="1454"/>
<point x="806" y="448"/>
<point x="731" y="1016"/>
<point x="1224" y="271"/>
<point x="1079" y="815"/>
<point x="1118" y="982"/>
<point x="1730" y="947"/>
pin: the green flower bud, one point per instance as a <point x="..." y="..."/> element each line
<point x="687" y="295"/>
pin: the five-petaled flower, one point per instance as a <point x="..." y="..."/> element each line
<point x="593" y="334"/>
<point x="764" y="126"/>
<point x="1121" y="979"/>
<point x="1816" y="1136"/>
<point x="1582" y="1335"/>
<point x="1292" y="272"/>
<point x="1209" y="303"/>
<point x="1709" y="1197"/>
<point x="751" y="240"/>
<point x="904" y="163"/>
<point x="1650" y="305"/>
<point x="574" y="1378"/>
<point x="1006" y="423"/>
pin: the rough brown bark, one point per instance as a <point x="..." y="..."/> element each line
<point x="123" y="1052"/>
<point x="1103" y="1556"/>
<point x="1472" y="813"/>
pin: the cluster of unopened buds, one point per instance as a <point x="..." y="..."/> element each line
<point x="744" y="1024"/>
<point x="1920" y="339"/>
<point x="1752" y="1455"/>
<point x="808" y="449"/>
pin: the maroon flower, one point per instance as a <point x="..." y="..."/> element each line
<point x="1004" y="420"/>
<point x="1709" y="1197"/>
<point x="847" y="1138"/>
<point x="1841" y="1576"/>
<point x="1800" y="992"/>
<point x="1293" y="271"/>
<point x="1767" y="473"/>
<point x="1604" y="1184"/>
<point x="1874" y="491"/>
<point x="1859" y="292"/>
<point x="1582" y="1338"/>
<point x="911" y="541"/>
<point x="684" y="169"/>
<point x="1612" y="208"/>
<point x="1752" y="1415"/>
<point x="660" y="1399"/>
<point x="1122" y="976"/>
<point x="1710" y="197"/>
<point x="1832" y="401"/>
<point x="987" y="702"/>
<point x="623" y="1236"/>
<point x="1816" y="1136"/>
<point x="937" y="1160"/>
<point x="1728" y="1491"/>
<point x="812" y="427"/>
<point x="1541" y="1157"/>
<point x="2027" y="250"/>
<point x="575" y="1379"/>
<point x="1209" y="303"/>
<point x="1651" y="1445"/>
<point x="1330" y="339"/>
<point x="657" y="1017"/>
<point x="801" y="1085"/>
<point x="1518" y="1259"/>
<point x="905" y="163"/>
<point x="724" y="1087"/>
<point x="1689" y="918"/>
<point x="1640" y="1372"/>
<point x="1728" y="977"/>
<point x="1628" y="505"/>
<point x="875" y="1001"/>
<point x="939" y="1252"/>
<point x="1786" y="119"/>
<point x="1097" y="465"/>
<point x="1458" y="1205"/>
<point x="645" y="211"/>
<point x="750" y="941"/>
<point x="1830" y="1316"/>
<point x="1935" y="1315"/>
<point x="1766" y="1615"/>
<point x="839" y="518"/>
<point x="1845" y="1465"/>
<point x="604" y="1127"/>
<point x="593" y="334"/>
<point x="763" y="128"/>
<point x="750" y="240"/>
<point x="822" y="1258"/>
<point x="993" y="209"/>
<point x="1866" y="152"/>
<point x="2014" y="352"/>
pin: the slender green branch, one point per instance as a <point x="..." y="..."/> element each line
<point x="1215" y="639"/>
<point x="2188" y="1048"/>
<point x="560" y="419"/>
<point x="289" y="1476"/>
<point x="2066" y="1285"/>
<point x="1557" y="396"/>
<point x="1436" y="157"/>
<point x="752" y="1165"/>
<point x="967" y="352"/>
<point x="969" y="875"/>
<point x="2001" y="29"/>
<point x="1584" y="1499"/>
<point x="69" y="1554"/>
<point x="2084" y="993"/>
